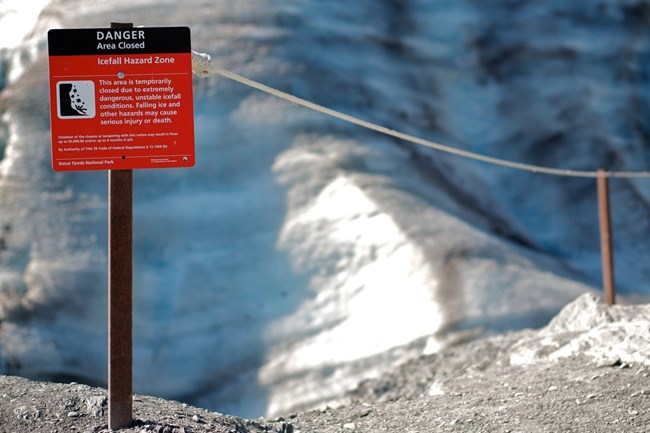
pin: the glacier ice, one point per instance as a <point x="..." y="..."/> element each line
<point x="301" y="254"/>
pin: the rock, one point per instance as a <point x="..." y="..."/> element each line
<point x="26" y="413"/>
<point x="608" y="335"/>
<point x="97" y="405"/>
<point x="589" y="312"/>
<point x="285" y="428"/>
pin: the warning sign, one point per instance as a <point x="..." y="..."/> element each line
<point x="121" y="98"/>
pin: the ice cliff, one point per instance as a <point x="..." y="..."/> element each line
<point x="302" y="254"/>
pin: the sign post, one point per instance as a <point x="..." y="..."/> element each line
<point x="606" y="251"/>
<point x="120" y="294"/>
<point x="120" y="298"/>
<point x="121" y="99"/>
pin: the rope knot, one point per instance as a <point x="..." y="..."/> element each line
<point x="201" y="64"/>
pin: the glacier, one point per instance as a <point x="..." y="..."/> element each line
<point x="302" y="255"/>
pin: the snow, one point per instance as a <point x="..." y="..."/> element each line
<point x="302" y="255"/>
<point x="16" y="19"/>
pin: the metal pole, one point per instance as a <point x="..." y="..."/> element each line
<point x="606" y="250"/>
<point x="120" y="294"/>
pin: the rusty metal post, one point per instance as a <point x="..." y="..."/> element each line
<point x="120" y="298"/>
<point x="120" y="295"/>
<point x="606" y="250"/>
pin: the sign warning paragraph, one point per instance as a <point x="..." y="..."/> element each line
<point x="121" y="98"/>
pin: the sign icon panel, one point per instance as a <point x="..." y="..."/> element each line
<point x="75" y="99"/>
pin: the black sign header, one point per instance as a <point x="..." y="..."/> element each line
<point x="136" y="40"/>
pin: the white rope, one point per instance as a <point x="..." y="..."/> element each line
<point x="202" y="66"/>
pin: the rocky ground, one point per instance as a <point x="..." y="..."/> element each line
<point x="552" y="380"/>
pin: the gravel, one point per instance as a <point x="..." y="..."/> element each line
<point x="566" y="396"/>
<point x="552" y="380"/>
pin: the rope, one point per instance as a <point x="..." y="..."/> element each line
<point x="202" y="66"/>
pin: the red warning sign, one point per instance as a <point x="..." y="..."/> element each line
<point x="121" y="98"/>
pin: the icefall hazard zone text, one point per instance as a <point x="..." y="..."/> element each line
<point x="123" y="60"/>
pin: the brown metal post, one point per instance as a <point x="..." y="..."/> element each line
<point x="120" y="295"/>
<point x="606" y="250"/>
<point x="120" y="298"/>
